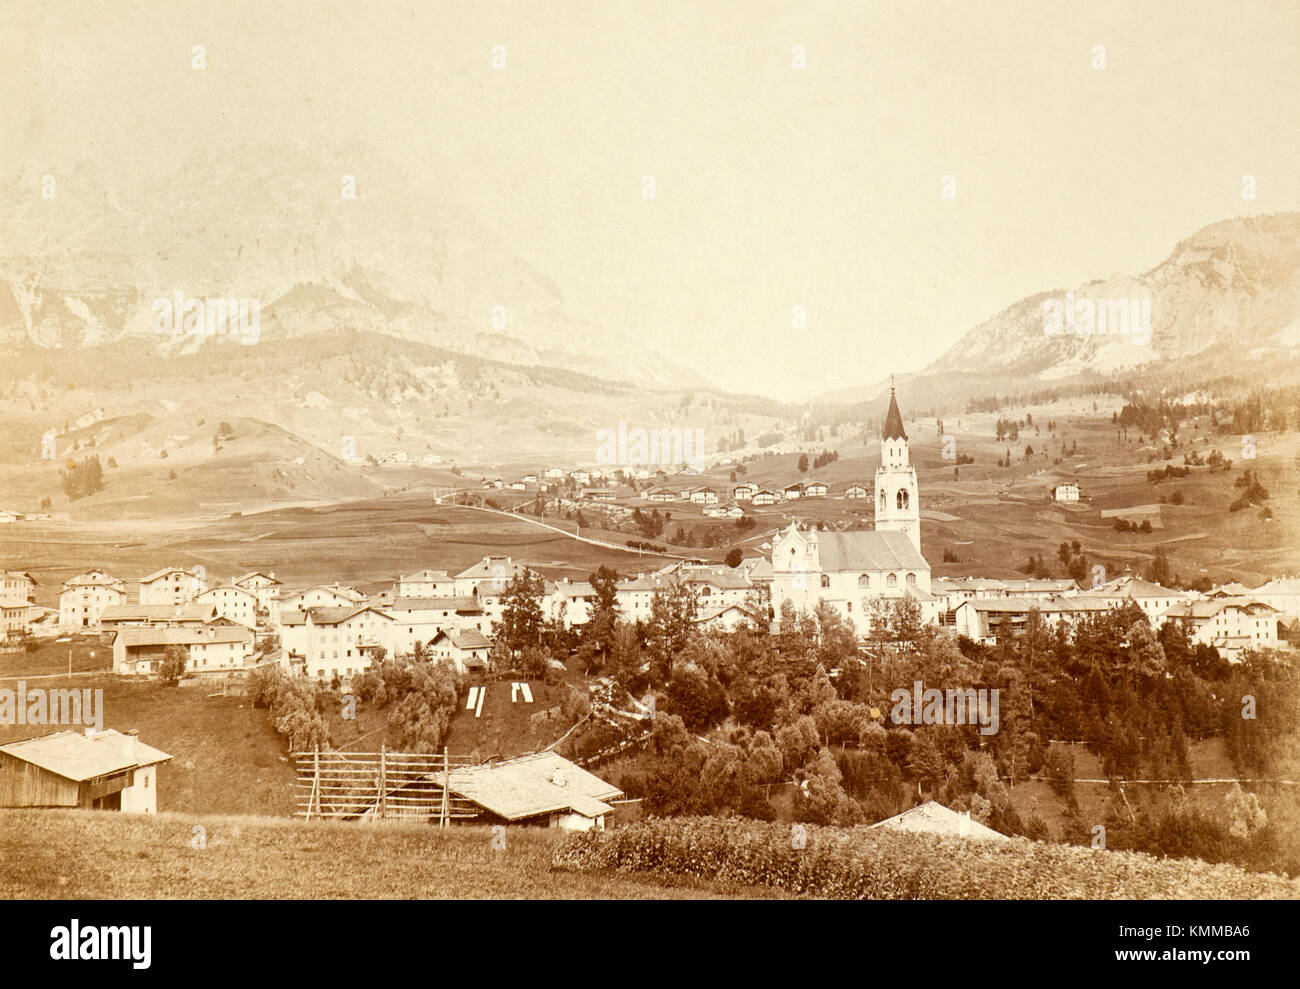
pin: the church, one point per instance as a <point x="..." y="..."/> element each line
<point x="850" y="570"/>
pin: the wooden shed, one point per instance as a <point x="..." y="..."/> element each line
<point x="94" y="770"/>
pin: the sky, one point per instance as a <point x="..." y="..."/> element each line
<point x="775" y="187"/>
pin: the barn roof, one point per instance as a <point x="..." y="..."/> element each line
<point x="934" y="818"/>
<point x="541" y="783"/>
<point x="77" y="756"/>
<point x="460" y="603"/>
<point x="157" y="613"/>
<point x="232" y="632"/>
<point x="469" y="638"/>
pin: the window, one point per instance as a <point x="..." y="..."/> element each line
<point x="882" y="499"/>
<point x="864" y="581"/>
<point x="902" y="498"/>
<point x="911" y="579"/>
<point x="826" y="581"/>
<point x="891" y="580"/>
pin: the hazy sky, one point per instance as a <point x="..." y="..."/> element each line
<point x="775" y="186"/>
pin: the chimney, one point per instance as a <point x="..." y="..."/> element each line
<point x="131" y="746"/>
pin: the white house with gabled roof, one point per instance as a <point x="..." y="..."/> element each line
<point x="85" y="596"/>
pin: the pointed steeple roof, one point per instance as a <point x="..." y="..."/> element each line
<point x="893" y="420"/>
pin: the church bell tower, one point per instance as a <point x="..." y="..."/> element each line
<point x="898" y="507"/>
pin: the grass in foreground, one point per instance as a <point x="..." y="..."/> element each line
<point x="56" y="854"/>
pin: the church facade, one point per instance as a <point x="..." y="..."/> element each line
<point x="852" y="570"/>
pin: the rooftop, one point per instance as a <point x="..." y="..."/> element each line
<point x="79" y="756"/>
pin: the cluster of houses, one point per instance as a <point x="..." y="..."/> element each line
<point x="729" y="498"/>
<point x="331" y="630"/>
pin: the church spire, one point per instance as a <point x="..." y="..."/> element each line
<point x="893" y="418"/>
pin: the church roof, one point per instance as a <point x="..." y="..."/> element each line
<point x="868" y="550"/>
<point x="893" y="421"/>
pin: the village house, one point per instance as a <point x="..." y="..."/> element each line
<point x="336" y="641"/>
<point x="15" y="618"/>
<point x="322" y="596"/>
<point x="171" y="585"/>
<point x="661" y="495"/>
<point x="426" y="584"/>
<point x="704" y="496"/>
<point x="857" y="492"/>
<point x="1066" y="494"/>
<point x="765" y="497"/>
<point x="791" y="492"/>
<point x="1231" y="625"/>
<point x="721" y="618"/>
<point x="218" y="646"/>
<point x="18" y="585"/>
<point x="954" y="590"/>
<point x="599" y="494"/>
<point x="489" y="575"/>
<point x="815" y="489"/>
<point x="84" y="598"/>
<point x="465" y="650"/>
<point x="554" y="473"/>
<point x="985" y="620"/>
<point x="580" y="476"/>
<point x="731" y="511"/>
<point x="235" y="603"/>
<point x="636" y="594"/>
<point x="420" y="619"/>
<point x="1282" y="593"/>
<point x="264" y="586"/>
<point x="744" y="491"/>
<point x="94" y="770"/>
<point x="1154" y="600"/>
<point x="571" y="602"/>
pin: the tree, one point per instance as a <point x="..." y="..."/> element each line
<point x="521" y="617"/>
<point x="672" y="617"/>
<point x="172" y="667"/>
<point x="419" y="720"/>
<point x="699" y="700"/>
<point x="803" y="463"/>
<point x="734" y="556"/>
<point x="598" y="633"/>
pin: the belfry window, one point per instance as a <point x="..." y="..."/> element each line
<point x="902" y="497"/>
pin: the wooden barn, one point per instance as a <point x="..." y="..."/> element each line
<point x="542" y="790"/>
<point x="94" y="770"/>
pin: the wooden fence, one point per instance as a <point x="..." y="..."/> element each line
<point x="383" y="785"/>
